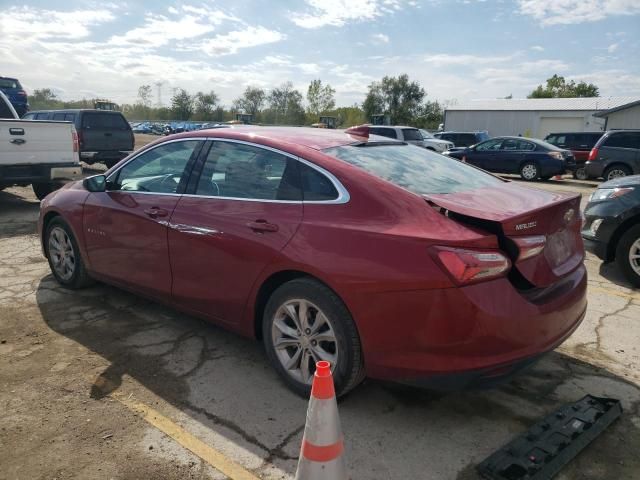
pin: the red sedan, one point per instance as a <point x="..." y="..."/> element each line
<point x="385" y="259"/>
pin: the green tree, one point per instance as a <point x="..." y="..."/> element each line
<point x="398" y="97"/>
<point x="431" y="116"/>
<point x="182" y="104"/>
<point x="43" y="99"/>
<point x="205" y="105"/>
<point x="251" y="101"/>
<point x="350" y="116"/>
<point x="320" y="98"/>
<point x="558" y="87"/>
<point x="285" y="105"/>
<point x="144" y="95"/>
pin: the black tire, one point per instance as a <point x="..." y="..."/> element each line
<point x="527" y="167"/>
<point x="43" y="189"/>
<point x="616" y="171"/>
<point x="623" y="251"/>
<point x="80" y="277"/>
<point x="580" y="174"/>
<point x="349" y="371"/>
<point x="110" y="163"/>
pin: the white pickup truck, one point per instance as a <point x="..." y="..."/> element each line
<point x="41" y="153"/>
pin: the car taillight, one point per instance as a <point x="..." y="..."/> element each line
<point x="22" y="93"/>
<point x="74" y="136"/>
<point x="593" y="154"/>
<point x="470" y="266"/>
<point x="556" y="155"/>
<point x="79" y="137"/>
<point x="530" y="246"/>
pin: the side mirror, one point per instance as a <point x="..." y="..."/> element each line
<point x="96" y="183"/>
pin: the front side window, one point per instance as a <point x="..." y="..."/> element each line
<point x="159" y="170"/>
<point x="236" y="170"/>
<point x="412" y="134"/>
<point x="42" y="116"/>
<point x="489" y="146"/>
<point x="414" y="168"/>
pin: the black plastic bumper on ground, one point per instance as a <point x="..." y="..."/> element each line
<point x="545" y="448"/>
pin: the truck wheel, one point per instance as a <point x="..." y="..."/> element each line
<point x="628" y="255"/>
<point x="616" y="171"/>
<point x="43" y="189"/>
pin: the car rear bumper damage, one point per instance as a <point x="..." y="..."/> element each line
<point x="458" y="337"/>
<point x="40" y="173"/>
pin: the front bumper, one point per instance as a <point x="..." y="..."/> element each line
<point x="456" y="337"/>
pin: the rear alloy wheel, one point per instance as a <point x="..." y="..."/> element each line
<point x="628" y="255"/>
<point x="580" y="174"/>
<point x="529" y="171"/>
<point x="61" y="249"/>
<point x="616" y="171"/>
<point x="305" y="322"/>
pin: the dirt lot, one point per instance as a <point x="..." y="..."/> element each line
<point x="88" y="379"/>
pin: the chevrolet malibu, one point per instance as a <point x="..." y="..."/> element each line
<point x="386" y="259"/>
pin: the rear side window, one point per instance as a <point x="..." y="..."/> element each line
<point x="70" y="117"/>
<point x="412" y="134"/>
<point x="384" y="132"/>
<point x="42" y="116"/>
<point x="315" y="185"/>
<point x="58" y="116"/>
<point x="623" y="140"/>
<point x="414" y="168"/>
<point x="104" y="121"/>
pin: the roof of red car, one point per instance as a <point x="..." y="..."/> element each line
<point x="316" y="138"/>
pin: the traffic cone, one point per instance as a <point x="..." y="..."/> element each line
<point x="321" y="454"/>
<point x="558" y="177"/>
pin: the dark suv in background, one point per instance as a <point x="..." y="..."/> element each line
<point x="15" y="93"/>
<point x="617" y="154"/>
<point x="104" y="136"/>
<point x="463" y="139"/>
<point x="580" y="144"/>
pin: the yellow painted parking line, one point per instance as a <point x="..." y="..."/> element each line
<point x="210" y="455"/>
<point x="617" y="293"/>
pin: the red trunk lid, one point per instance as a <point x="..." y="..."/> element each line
<point x="514" y="212"/>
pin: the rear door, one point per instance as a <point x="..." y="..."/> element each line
<point x="244" y="208"/>
<point x="105" y="131"/>
<point x="126" y="226"/>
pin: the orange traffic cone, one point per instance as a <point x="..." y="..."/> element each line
<point x="322" y="444"/>
<point x="558" y="177"/>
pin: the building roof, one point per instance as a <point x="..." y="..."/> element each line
<point x="538" y="104"/>
<point x="606" y="113"/>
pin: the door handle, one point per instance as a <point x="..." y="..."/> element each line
<point x="18" y="141"/>
<point x="262" y="226"/>
<point x="108" y="134"/>
<point x="155" y="212"/>
<point x="16" y="131"/>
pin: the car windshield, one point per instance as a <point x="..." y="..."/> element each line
<point x="416" y="169"/>
<point x="426" y="134"/>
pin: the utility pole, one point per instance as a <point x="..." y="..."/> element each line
<point x="159" y="97"/>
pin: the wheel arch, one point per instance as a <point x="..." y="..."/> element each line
<point x="46" y="220"/>
<point x="616" y="163"/>
<point x="271" y="284"/>
<point x="618" y="233"/>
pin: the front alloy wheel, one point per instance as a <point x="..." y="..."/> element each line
<point x="65" y="261"/>
<point x="628" y="255"/>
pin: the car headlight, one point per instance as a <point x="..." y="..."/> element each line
<point x="607" y="193"/>
<point x="593" y="228"/>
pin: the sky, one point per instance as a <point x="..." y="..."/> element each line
<point x="458" y="50"/>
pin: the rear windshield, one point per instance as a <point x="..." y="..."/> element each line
<point x="104" y="120"/>
<point x="414" y="168"/>
<point x="9" y="83"/>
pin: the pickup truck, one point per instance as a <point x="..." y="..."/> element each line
<point x="43" y="154"/>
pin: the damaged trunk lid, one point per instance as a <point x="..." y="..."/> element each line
<point x="539" y="229"/>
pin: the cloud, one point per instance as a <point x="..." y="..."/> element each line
<point x="566" y="12"/>
<point x="537" y="48"/>
<point x="42" y="24"/>
<point x="613" y="47"/>
<point x="337" y="13"/>
<point x="379" y="38"/>
<point x="236" y="40"/>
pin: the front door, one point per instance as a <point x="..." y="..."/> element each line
<point x="484" y="154"/>
<point x="126" y="226"/>
<point x="244" y="208"/>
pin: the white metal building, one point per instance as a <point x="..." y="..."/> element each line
<point x="533" y="117"/>
<point x="622" y="117"/>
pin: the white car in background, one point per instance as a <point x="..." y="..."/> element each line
<point x="433" y="143"/>
<point x="411" y="135"/>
